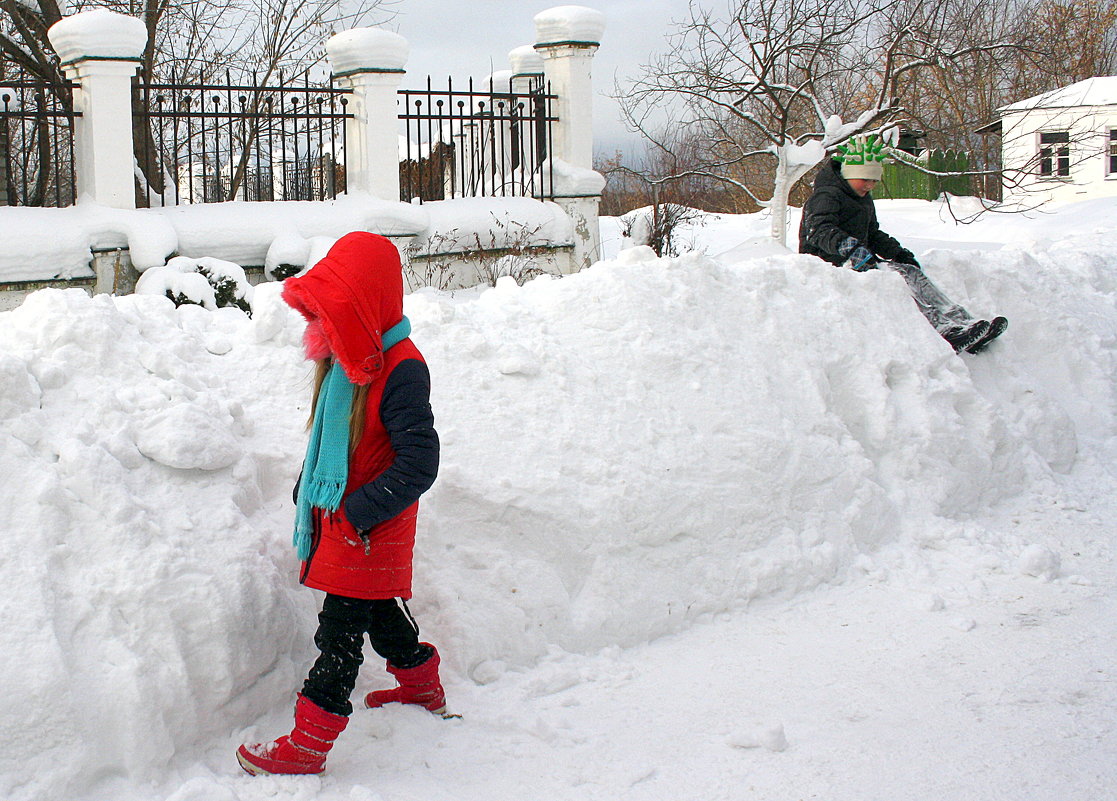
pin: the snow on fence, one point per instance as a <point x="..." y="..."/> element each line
<point x="534" y="136"/>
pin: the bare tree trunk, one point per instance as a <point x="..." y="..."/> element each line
<point x="46" y="161"/>
<point x="146" y="153"/>
<point x="778" y="204"/>
<point x="6" y="155"/>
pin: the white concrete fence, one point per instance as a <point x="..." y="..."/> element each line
<point x="101" y="50"/>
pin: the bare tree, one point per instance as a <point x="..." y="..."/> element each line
<point x="1059" y="42"/>
<point x="1077" y="40"/>
<point x="191" y="40"/>
<point x="24" y="45"/>
<point x="657" y="195"/>
<point x="290" y="35"/>
<point x="770" y="84"/>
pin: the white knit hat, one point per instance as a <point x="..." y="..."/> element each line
<point x="870" y="171"/>
<point x="862" y="157"/>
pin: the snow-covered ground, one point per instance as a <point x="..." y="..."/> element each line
<point x="736" y="525"/>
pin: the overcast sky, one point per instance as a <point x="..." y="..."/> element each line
<point x="472" y="38"/>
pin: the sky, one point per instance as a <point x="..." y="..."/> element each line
<point x="473" y="39"/>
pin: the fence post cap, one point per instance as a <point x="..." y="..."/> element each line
<point x="569" y="25"/>
<point x="498" y="81"/>
<point x="98" y="34"/>
<point x="366" y="50"/>
<point x="525" y="61"/>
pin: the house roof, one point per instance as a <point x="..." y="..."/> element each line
<point x="1100" y="91"/>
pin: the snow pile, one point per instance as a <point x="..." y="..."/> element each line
<point x="626" y="451"/>
<point x="566" y="24"/>
<point x="467" y="224"/>
<point x="666" y="466"/>
<point x="244" y="232"/>
<point x="138" y="500"/>
<point x="525" y="61"/>
<point x="40" y="244"/>
<point x="100" y="34"/>
<point x="366" y="49"/>
<point x="44" y="243"/>
<point x="570" y="181"/>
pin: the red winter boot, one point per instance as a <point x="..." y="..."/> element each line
<point x="303" y="750"/>
<point x="417" y="685"/>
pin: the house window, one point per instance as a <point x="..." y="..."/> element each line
<point x="1054" y="154"/>
<point x="1111" y="154"/>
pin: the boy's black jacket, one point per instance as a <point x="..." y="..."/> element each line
<point x="833" y="212"/>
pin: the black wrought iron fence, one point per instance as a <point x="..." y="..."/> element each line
<point x="36" y="141"/>
<point x="240" y="140"/>
<point x="468" y="142"/>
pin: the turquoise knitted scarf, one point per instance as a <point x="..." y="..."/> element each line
<point x="326" y="468"/>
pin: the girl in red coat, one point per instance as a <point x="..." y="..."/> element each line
<point x="373" y="451"/>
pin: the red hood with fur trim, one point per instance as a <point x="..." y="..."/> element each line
<point x="356" y="294"/>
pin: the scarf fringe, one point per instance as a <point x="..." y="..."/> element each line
<point x="325" y="493"/>
<point x="301" y="538"/>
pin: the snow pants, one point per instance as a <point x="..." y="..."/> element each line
<point x="944" y="315"/>
<point x="342" y="626"/>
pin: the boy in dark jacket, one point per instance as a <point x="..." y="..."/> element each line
<point x="839" y="224"/>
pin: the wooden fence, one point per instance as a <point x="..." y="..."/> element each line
<point x="903" y="181"/>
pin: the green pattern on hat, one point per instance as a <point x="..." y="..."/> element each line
<point x="862" y="150"/>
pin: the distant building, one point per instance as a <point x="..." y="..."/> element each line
<point x="1062" y="145"/>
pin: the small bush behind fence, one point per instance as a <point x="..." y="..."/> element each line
<point x="493" y="142"/>
<point x="903" y="181"/>
<point x="36" y="141"/>
<point x="241" y="140"/>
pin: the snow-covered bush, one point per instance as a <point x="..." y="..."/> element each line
<point x="211" y="283"/>
<point x="657" y="226"/>
<point x="287" y="256"/>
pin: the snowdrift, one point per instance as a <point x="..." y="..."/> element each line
<point x="625" y="451"/>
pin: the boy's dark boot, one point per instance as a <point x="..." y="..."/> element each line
<point x="417" y="685"/>
<point x="997" y="326"/>
<point x="966" y="337"/>
<point x="304" y="750"/>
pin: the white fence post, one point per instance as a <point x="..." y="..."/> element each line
<point x="370" y="61"/>
<point x="100" y="51"/>
<point x="567" y="38"/>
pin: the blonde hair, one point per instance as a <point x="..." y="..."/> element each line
<point x="356" y="411"/>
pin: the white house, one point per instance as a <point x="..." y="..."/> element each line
<point x="1062" y="145"/>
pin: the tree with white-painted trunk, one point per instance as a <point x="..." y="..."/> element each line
<point x="768" y="87"/>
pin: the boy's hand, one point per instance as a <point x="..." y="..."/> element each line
<point x="905" y="256"/>
<point x="861" y="259"/>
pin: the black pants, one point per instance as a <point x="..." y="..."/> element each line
<point x="342" y="626"/>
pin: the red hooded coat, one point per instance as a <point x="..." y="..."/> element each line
<point x="356" y="294"/>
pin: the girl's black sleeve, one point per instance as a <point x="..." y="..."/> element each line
<point x="405" y="411"/>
